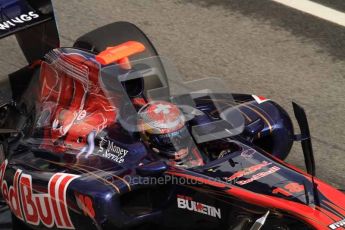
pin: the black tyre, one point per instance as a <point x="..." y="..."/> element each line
<point x="114" y="34"/>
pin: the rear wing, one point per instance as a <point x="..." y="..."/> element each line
<point x="33" y="23"/>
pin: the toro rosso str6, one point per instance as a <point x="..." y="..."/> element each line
<point x="108" y="135"/>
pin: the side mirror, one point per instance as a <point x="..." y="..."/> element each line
<point x="152" y="169"/>
<point x="304" y="138"/>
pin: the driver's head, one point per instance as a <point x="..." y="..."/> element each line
<point x="163" y="129"/>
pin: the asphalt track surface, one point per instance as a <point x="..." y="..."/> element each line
<point x="255" y="46"/>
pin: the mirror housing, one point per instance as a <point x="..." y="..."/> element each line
<point x="254" y="128"/>
<point x="152" y="169"/>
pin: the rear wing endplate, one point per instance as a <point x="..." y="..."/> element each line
<point x="33" y="23"/>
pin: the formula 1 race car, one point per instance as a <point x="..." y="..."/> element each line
<point x="108" y="135"/>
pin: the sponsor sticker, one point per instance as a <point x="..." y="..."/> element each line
<point x="248" y="154"/>
<point x="260" y="99"/>
<point x="13" y="22"/>
<point x="85" y="203"/>
<point x="289" y="189"/>
<point x="187" y="203"/>
<point x="49" y="209"/>
<point x="258" y="176"/>
<point x="248" y="171"/>
<point x="294" y="187"/>
<point x="337" y="225"/>
<point x="251" y="170"/>
<point x="110" y="150"/>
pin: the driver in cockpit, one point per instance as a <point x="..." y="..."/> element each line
<point x="163" y="129"/>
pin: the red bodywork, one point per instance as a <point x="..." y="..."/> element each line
<point x="76" y="103"/>
<point x="77" y="107"/>
<point x="325" y="216"/>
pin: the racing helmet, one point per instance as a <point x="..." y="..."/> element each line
<point x="163" y="129"/>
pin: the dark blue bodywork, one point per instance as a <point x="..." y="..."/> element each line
<point x="128" y="195"/>
<point x="56" y="190"/>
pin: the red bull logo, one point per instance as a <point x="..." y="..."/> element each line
<point x="49" y="208"/>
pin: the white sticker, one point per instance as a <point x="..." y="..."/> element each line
<point x="260" y="99"/>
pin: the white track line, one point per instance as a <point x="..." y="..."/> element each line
<point x="316" y="9"/>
